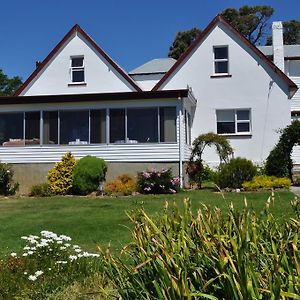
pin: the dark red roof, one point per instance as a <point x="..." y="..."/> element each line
<point x="218" y="19"/>
<point x="77" y="28"/>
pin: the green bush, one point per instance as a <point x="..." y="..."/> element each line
<point x="234" y="173"/>
<point x="88" y="173"/>
<point x="208" y="255"/>
<point x="266" y="182"/>
<point x="7" y="185"/>
<point x="60" y="176"/>
<point x="41" y="190"/>
<point x="157" y="182"/>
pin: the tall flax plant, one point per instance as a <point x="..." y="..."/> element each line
<point x="209" y="255"/>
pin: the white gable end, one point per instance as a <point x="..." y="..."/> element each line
<point x="55" y="77"/>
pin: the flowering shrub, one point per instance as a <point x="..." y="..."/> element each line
<point x="157" y="182"/>
<point x="122" y="185"/>
<point x="60" y="176"/>
<point x="48" y="261"/>
<point x="7" y="186"/>
<point x="266" y="182"/>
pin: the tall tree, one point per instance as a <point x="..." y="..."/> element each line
<point x="8" y="86"/>
<point x="250" y="21"/>
<point x="182" y="41"/>
<point x="291" y="33"/>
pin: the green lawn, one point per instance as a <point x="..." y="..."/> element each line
<point x="91" y="221"/>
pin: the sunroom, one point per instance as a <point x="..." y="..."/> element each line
<point x="130" y="127"/>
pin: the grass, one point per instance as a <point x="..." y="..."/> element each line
<point x="92" y="221"/>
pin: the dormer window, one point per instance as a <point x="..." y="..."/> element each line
<point x="221" y="60"/>
<point x="77" y="69"/>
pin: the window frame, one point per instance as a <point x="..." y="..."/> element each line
<point x="236" y="121"/>
<point x="217" y="60"/>
<point x="74" y="69"/>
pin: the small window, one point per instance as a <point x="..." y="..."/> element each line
<point x="233" y="121"/>
<point x="77" y="69"/>
<point x="221" y="59"/>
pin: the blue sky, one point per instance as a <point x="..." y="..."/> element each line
<point x="131" y="32"/>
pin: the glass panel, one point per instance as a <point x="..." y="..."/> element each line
<point x="243" y="127"/>
<point x="117" y="125"/>
<point x="11" y="129"/>
<point x="221" y="52"/>
<point x="50" y="127"/>
<point x="242" y="115"/>
<point x="226" y="127"/>
<point x="78" y="75"/>
<point x="142" y="125"/>
<point x="74" y="127"/>
<point x="167" y="124"/>
<point x="32" y="128"/>
<point x="77" y="62"/>
<point x="225" y="115"/>
<point x="98" y="126"/>
<point x="221" y="67"/>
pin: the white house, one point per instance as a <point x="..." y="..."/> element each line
<point x="79" y="100"/>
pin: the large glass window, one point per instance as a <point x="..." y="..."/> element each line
<point x="233" y="121"/>
<point x="11" y="129"/>
<point x="32" y="128"/>
<point x="50" y="127"/>
<point x="187" y="121"/>
<point x="142" y="125"/>
<point x="98" y="126"/>
<point x="117" y="125"/>
<point x="167" y="117"/>
<point x="74" y="127"/>
<point x="221" y="59"/>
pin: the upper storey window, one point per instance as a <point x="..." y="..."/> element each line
<point x="77" y="69"/>
<point x="221" y="60"/>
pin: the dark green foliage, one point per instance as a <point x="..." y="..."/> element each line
<point x="7" y="185"/>
<point x="89" y="171"/>
<point x="250" y="21"/>
<point x="8" y="86"/>
<point x="195" y="166"/>
<point x="279" y="162"/>
<point x="182" y="41"/>
<point x="157" y="182"/>
<point x="41" y="190"/>
<point x="235" y="173"/>
<point x="291" y="33"/>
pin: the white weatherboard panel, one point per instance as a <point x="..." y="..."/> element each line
<point x="295" y="101"/>
<point x="110" y="153"/>
<point x="296" y="155"/>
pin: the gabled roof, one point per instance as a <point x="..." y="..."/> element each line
<point x="218" y="19"/>
<point x="154" y="66"/>
<point x="78" y="29"/>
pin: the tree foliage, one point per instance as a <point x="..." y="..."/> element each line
<point x="182" y="41"/>
<point x="291" y="33"/>
<point x="8" y="86"/>
<point x="195" y="166"/>
<point x="250" y="21"/>
<point x="279" y="162"/>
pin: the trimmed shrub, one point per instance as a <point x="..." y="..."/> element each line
<point x="233" y="174"/>
<point x="157" y="182"/>
<point x="266" y="182"/>
<point x="123" y="185"/>
<point x="41" y="190"/>
<point x="60" y="176"/>
<point x="7" y="185"/>
<point x="88" y="173"/>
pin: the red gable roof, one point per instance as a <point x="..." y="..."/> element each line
<point x="77" y="28"/>
<point x="218" y="19"/>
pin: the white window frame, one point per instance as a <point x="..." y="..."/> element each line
<point x="216" y="60"/>
<point x="236" y="121"/>
<point x="81" y="68"/>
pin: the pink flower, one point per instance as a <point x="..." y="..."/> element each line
<point x="146" y="174"/>
<point x="148" y="189"/>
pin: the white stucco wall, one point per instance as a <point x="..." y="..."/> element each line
<point x="252" y="85"/>
<point x="100" y="76"/>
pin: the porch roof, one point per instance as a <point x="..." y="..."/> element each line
<point x="143" y="95"/>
